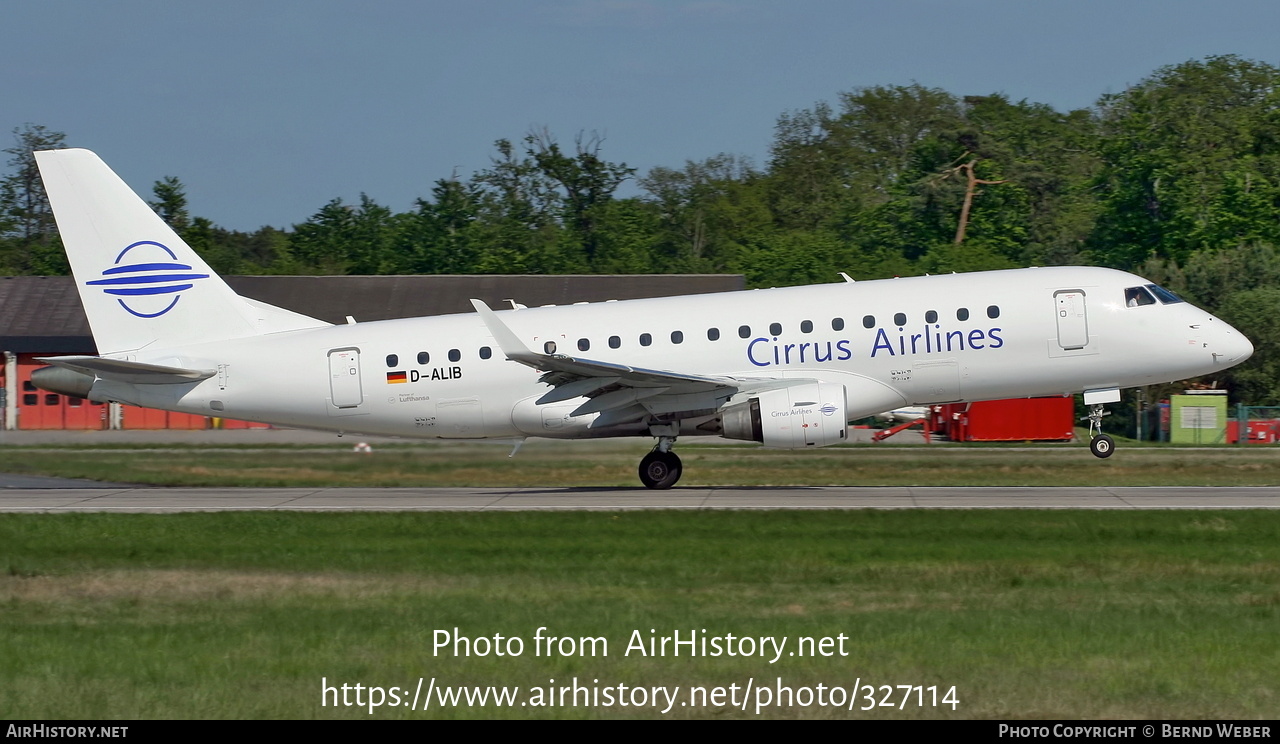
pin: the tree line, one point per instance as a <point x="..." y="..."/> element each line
<point x="1176" y="178"/>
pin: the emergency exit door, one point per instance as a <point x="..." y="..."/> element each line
<point x="344" y="378"/>
<point x="1073" y="321"/>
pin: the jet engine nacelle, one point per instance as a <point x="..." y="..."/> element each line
<point x="807" y="415"/>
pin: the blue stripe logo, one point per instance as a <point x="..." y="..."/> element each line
<point x="147" y="276"/>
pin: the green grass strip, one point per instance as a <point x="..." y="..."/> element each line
<point x="614" y="464"/>
<point x="1059" y="614"/>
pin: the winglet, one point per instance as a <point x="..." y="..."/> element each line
<point x="511" y="345"/>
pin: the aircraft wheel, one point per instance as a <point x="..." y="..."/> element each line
<point x="660" y="469"/>
<point x="1102" y="446"/>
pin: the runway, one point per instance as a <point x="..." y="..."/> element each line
<point x="82" y="498"/>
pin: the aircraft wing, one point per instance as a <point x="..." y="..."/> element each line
<point x="621" y="393"/>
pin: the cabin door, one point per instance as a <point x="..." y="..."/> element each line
<point x="1073" y="321"/>
<point x="344" y="378"/>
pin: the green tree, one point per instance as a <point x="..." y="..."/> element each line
<point x="23" y="202"/>
<point x="899" y="174"/>
<point x="625" y="232"/>
<point x="346" y="239"/>
<point x="825" y="162"/>
<point x="705" y="213"/>
<point x="29" y="241"/>
<point x="171" y="203"/>
<point x="586" y="182"/>
<point x="1046" y="210"/>
<point x="1191" y="161"/>
<point x="1253" y="313"/>
<point x="439" y="237"/>
<point x="518" y="218"/>
<point x="267" y="250"/>
<point x="1210" y="276"/>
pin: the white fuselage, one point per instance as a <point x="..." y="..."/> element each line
<point x="890" y="343"/>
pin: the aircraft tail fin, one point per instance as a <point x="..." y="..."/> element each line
<point x="142" y="285"/>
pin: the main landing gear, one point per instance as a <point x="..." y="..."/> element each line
<point x="661" y="468"/>
<point x="1100" y="444"/>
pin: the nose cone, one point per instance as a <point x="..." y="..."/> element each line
<point x="1233" y="346"/>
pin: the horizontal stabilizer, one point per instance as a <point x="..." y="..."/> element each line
<point x="134" y="373"/>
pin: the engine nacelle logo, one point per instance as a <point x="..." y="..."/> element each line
<point x="152" y="285"/>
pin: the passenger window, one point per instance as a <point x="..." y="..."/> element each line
<point x="677" y="337"/>
<point x="424" y="357"/>
<point x="485" y="352"/>
<point x="806" y="326"/>
<point x="74" y="402"/>
<point x="931" y="316"/>
<point x="454" y="355"/>
<point x="392" y="360"/>
<point x="993" y="312"/>
<point x="868" y="321"/>
<point x="549" y="347"/>
<point x="775" y="329"/>
<point x="837" y="324"/>
<point x="584" y="344"/>
<point x="28" y="386"/>
<point x="962" y="314"/>
<point x="51" y="400"/>
<point x="744" y="331"/>
<point x="614" y="342"/>
<point x="900" y="319"/>
<point x="713" y="334"/>
<point x="30" y="399"/>
<point x="645" y="339"/>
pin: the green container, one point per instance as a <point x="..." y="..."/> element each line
<point x="1198" y="418"/>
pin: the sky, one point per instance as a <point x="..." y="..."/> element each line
<point x="268" y="109"/>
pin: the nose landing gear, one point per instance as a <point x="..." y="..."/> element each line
<point x="1100" y="444"/>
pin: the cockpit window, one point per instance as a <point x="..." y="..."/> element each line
<point x="1164" y="295"/>
<point x="1135" y="296"/>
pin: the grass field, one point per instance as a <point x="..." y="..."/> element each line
<point x="1028" y="614"/>
<point x="613" y="463"/>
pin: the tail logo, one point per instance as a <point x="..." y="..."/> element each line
<point x="152" y="284"/>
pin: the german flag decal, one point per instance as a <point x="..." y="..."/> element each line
<point x="393" y="377"/>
